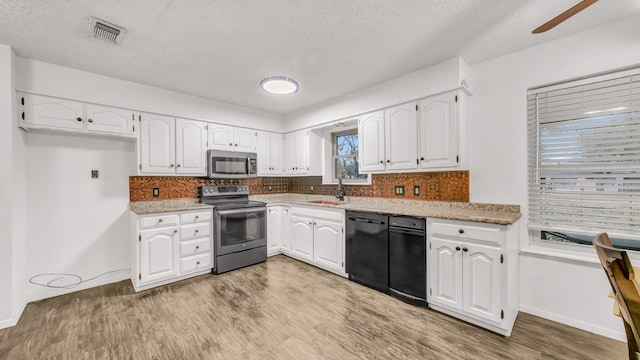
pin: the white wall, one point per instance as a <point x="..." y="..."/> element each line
<point x="81" y="85"/>
<point x="76" y="225"/>
<point x="567" y="291"/>
<point x="12" y="255"/>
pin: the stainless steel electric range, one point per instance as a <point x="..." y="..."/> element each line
<point x="239" y="226"/>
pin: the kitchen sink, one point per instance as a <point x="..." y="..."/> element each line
<point x="324" y="202"/>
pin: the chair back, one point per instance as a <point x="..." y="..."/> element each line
<point x="617" y="266"/>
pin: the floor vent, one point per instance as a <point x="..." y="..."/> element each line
<point x="107" y="31"/>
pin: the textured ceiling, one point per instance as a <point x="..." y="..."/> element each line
<point x="220" y="49"/>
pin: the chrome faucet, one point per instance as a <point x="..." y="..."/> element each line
<point x="341" y="193"/>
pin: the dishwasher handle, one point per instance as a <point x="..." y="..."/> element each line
<point x="406" y="231"/>
<point x="363" y="220"/>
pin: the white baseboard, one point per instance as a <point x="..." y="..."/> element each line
<point x="582" y="325"/>
<point x="14" y="319"/>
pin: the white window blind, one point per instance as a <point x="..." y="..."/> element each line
<point x="584" y="157"/>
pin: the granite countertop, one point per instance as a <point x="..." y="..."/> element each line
<point x="160" y="206"/>
<point x="486" y="213"/>
<point x="479" y="212"/>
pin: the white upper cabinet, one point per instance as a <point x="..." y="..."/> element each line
<point x="109" y="119"/>
<point x="371" y="138"/>
<point x="302" y="152"/>
<point x="438" y="131"/>
<point x="220" y="137"/>
<point x="411" y="137"/>
<point x="270" y="153"/>
<point x="230" y="138"/>
<point x="290" y="153"/>
<point x="44" y="112"/>
<point x="157" y="144"/>
<point x="172" y="146"/>
<point x="401" y="141"/>
<point x="191" y="146"/>
<point x="244" y="140"/>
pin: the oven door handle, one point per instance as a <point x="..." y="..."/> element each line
<point x="241" y="211"/>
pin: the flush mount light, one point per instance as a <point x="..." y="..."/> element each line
<point x="279" y="85"/>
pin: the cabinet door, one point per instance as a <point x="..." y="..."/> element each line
<point x="109" y="119"/>
<point x="371" y="138"/>
<point x="328" y="245"/>
<point x="47" y="111"/>
<point x="482" y="274"/>
<point x="438" y="131"/>
<point x="159" y="254"/>
<point x="285" y="245"/>
<point x="274" y="230"/>
<point x="290" y="153"/>
<point x="277" y="154"/>
<point x="301" y="236"/>
<point x="191" y="147"/>
<point x="220" y="137"/>
<point x="401" y="137"/>
<point x="445" y="273"/>
<point x="302" y="152"/>
<point x="244" y="140"/>
<point x="157" y="144"/>
<point x="264" y="153"/>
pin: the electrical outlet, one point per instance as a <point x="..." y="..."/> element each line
<point x="269" y="188"/>
<point x="311" y="187"/>
<point x="399" y="190"/>
<point x="416" y="190"/>
<point x="94" y="174"/>
<point x="156" y="192"/>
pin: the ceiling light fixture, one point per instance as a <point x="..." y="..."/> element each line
<point x="279" y="85"/>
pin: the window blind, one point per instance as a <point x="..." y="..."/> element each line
<point x="584" y="157"/>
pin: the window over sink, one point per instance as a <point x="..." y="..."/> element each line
<point x="345" y="157"/>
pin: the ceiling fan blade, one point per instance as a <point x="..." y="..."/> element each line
<point x="564" y="16"/>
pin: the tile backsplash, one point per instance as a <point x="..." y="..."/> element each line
<point x="441" y="186"/>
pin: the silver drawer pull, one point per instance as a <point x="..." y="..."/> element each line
<point x="198" y="263"/>
<point x="197" y="247"/>
<point x="196" y="231"/>
<point x="197" y="216"/>
<point x="175" y="231"/>
<point x="159" y="220"/>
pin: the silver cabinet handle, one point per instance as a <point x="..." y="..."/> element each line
<point x="230" y="144"/>
<point x="175" y="231"/>
<point x="79" y="119"/>
<point x="197" y="247"/>
<point x="90" y="120"/>
<point x="171" y="165"/>
<point x="197" y="216"/>
<point x="178" y="165"/>
<point x="159" y="220"/>
<point x="198" y="263"/>
<point x="196" y="231"/>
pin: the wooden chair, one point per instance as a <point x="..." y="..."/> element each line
<point x="616" y="264"/>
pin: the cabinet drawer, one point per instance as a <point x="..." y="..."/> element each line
<point x="195" y="247"/>
<point x="158" y="221"/>
<point x="196" y="217"/>
<point x="465" y="231"/>
<point x="189" y="232"/>
<point x="195" y="263"/>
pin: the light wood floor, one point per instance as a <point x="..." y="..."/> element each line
<point x="281" y="309"/>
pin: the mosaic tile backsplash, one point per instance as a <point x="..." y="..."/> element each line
<point x="440" y="186"/>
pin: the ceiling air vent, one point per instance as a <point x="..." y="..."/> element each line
<point x="107" y="31"/>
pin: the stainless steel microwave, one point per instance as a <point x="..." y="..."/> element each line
<point x="231" y="165"/>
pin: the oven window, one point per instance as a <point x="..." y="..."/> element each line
<point x="242" y="227"/>
<point x="230" y="166"/>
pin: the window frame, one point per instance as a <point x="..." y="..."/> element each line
<point x="535" y="230"/>
<point x="334" y="156"/>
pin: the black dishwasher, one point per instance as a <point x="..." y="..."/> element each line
<point x="367" y="249"/>
<point x="408" y="259"/>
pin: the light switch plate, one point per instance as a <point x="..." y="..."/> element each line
<point x="416" y="190"/>
<point x="156" y="191"/>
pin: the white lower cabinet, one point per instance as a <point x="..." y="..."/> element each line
<point x="472" y="272"/>
<point x="170" y="246"/>
<point x="301" y="231"/>
<point x="311" y="234"/>
<point x="277" y="231"/>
